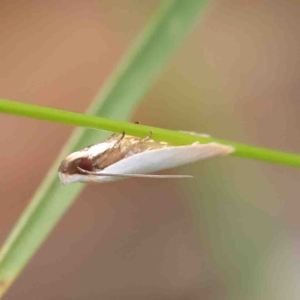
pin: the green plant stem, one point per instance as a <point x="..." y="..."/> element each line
<point x="173" y="137"/>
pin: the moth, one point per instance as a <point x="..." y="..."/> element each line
<point x="122" y="156"/>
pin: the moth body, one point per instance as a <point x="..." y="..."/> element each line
<point x="129" y="156"/>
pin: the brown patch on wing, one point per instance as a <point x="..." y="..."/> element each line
<point x="108" y="158"/>
<point x="127" y="147"/>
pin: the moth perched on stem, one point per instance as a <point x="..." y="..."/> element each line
<point x="122" y="156"/>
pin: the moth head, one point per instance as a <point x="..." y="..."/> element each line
<point x="69" y="169"/>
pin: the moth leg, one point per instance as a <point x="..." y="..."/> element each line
<point x="120" y="138"/>
<point x="113" y="136"/>
<point x="82" y="171"/>
<point x="147" y="138"/>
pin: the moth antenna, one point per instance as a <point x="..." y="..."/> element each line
<point x="146" y="176"/>
<point x="133" y="175"/>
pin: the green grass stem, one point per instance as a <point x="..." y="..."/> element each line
<point x="173" y="137"/>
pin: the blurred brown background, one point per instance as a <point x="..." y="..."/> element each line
<point x="236" y="77"/>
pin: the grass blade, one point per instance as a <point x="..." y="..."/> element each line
<point x="140" y="67"/>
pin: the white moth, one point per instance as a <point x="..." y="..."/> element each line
<point x="128" y="156"/>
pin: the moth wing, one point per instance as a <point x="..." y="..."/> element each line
<point x="205" y="135"/>
<point x="160" y="159"/>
